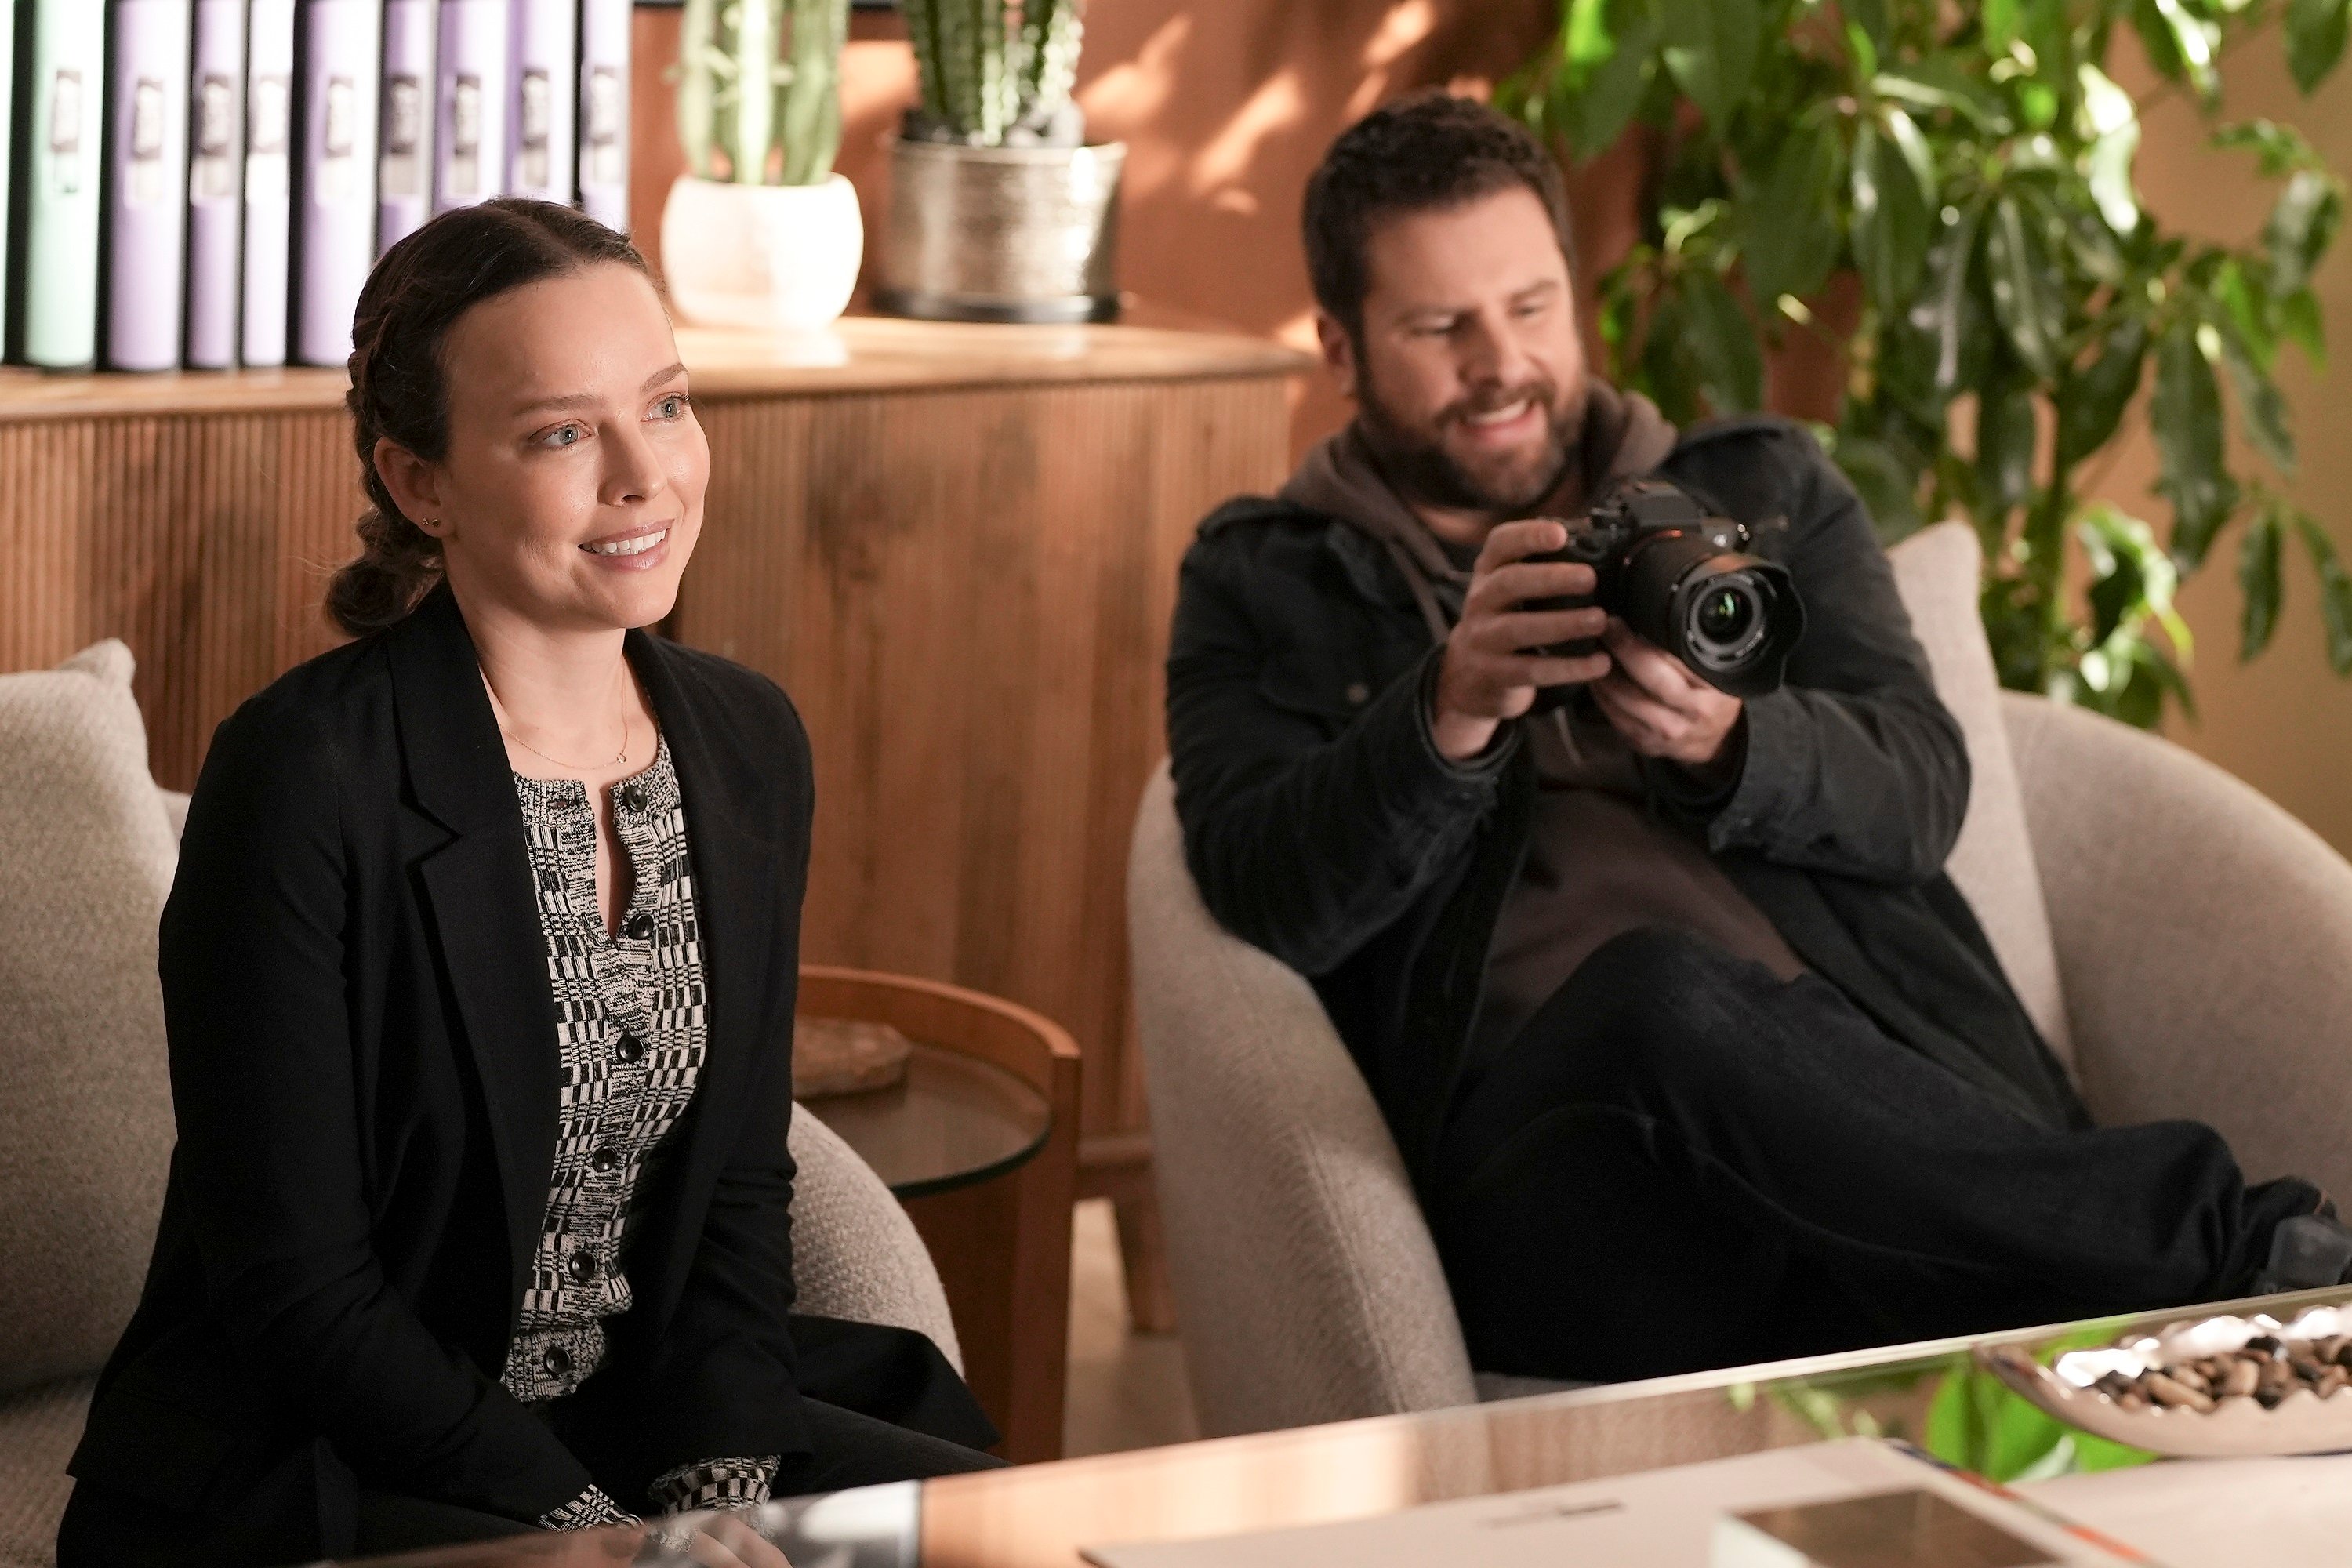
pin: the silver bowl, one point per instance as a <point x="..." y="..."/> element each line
<point x="2302" y="1423"/>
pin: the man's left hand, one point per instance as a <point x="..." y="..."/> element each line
<point x="1661" y="708"/>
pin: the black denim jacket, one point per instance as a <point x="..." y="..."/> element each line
<point x="1323" y="826"/>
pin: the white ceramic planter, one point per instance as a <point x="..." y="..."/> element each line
<point x="763" y="257"/>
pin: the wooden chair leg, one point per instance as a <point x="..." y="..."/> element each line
<point x="1143" y="1254"/>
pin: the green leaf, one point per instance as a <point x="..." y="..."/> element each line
<point x="2299" y="323"/>
<point x="2259" y="581"/>
<point x="1608" y="46"/>
<point x="2335" y="591"/>
<point x="2179" y="43"/>
<point x="2260" y="408"/>
<point x="1722" y="345"/>
<point x="2245" y="309"/>
<point x="2005" y="441"/>
<point x="2302" y="226"/>
<point x="1947" y="312"/>
<point x="1886" y="487"/>
<point x="2112" y="126"/>
<point x="2002" y="20"/>
<point x="2025" y="288"/>
<point x="1939" y="82"/>
<point x="2315" y="39"/>
<point x="1711" y="47"/>
<point x="1893" y="219"/>
<point x="2279" y="150"/>
<point x="2186" y="417"/>
<point x="2090" y="401"/>
<point x="1663" y="369"/>
<point x="1793" y="238"/>
<point x="1870" y="15"/>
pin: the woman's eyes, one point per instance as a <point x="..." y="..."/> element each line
<point x="667" y="409"/>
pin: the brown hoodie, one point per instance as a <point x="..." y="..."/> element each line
<point x="1599" y="862"/>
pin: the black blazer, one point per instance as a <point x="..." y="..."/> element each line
<point x="364" y="1075"/>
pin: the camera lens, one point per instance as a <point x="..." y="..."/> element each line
<point x="1725" y="616"/>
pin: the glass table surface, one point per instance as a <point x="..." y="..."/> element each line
<point x="953" y="1121"/>
<point x="1041" y="1516"/>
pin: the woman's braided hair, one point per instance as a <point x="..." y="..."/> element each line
<point x="417" y="293"/>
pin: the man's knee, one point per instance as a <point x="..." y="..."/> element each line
<point x="1667" y="1003"/>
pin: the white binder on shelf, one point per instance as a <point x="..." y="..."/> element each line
<point x="342" y="63"/>
<point x="469" y="131"/>
<point x="604" y="111"/>
<point x="147" y="183"/>
<point x="541" y="117"/>
<point x="216" y="183"/>
<point x="405" y="161"/>
<point x="268" y="180"/>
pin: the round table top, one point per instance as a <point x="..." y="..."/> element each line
<point x="953" y="1121"/>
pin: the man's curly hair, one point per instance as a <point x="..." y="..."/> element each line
<point x="1430" y="150"/>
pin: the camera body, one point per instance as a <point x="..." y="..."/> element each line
<point x="1681" y="577"/>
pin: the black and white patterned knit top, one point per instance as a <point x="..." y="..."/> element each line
<point x="631" y="1033"/>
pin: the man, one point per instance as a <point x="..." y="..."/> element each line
<point x="1695" y="1054"/>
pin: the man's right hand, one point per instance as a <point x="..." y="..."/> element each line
<point x="1488" y="675"/>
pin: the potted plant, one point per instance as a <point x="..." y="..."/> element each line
<point x="999" y="210"/>
<point x="1944" y="195"/>
<point x="759" y="232"/>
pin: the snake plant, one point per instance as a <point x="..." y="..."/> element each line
<point x="995" y="75"/>
<point x="759" y="86"/>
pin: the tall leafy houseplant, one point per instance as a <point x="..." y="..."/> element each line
<point x="1968" y="171"/>
<point x="759" y="89"/>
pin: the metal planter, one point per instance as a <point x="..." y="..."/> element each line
<point x="1001" y="234"/>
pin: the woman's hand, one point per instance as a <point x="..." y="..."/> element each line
<point x="725" y="1539"/>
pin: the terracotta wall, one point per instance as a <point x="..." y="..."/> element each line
<point x="1226" y="104"/>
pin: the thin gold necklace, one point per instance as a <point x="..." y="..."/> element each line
<point x="619" y="758"/>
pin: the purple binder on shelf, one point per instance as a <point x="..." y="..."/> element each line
<point x="604" y="111"/>
<point x="335" y="207"/>
<point x="469" y="131"/>
<point x="216" y="183"/>
<point x="147" y="180"/>
<point x="268" y="180"/>
<point x="539" y="118"/>
<point x="405" y="164"/>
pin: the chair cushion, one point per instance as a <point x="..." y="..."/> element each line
<point x="1939" y="570"/>
<point x="38" y="1430"/>
<point x="855" y="1254"/>
<point x="86" y="1130"/>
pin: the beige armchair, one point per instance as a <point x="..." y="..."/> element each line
<point x="86" y="858"/>
<point x="2184" y="943"/>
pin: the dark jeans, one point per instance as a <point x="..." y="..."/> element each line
<point x="1681" y="1162"/>
<point x="881" y="1405"/>
<point x="117" y="1528"/>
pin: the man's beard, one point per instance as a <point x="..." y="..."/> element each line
<point x="1423" y="471"/>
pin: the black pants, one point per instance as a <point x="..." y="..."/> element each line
<point x="881" y="1405"/>
<point x="1681" y="1162"/>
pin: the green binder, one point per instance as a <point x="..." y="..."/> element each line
<point x="62" y="137"/>
<point x="7" y="103"/>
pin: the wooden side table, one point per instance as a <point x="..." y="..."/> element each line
<point x="982" y="1145"/>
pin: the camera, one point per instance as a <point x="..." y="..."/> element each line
<point x="1681" y="578"/>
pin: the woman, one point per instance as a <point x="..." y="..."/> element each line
<point x="478" y="975"/>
